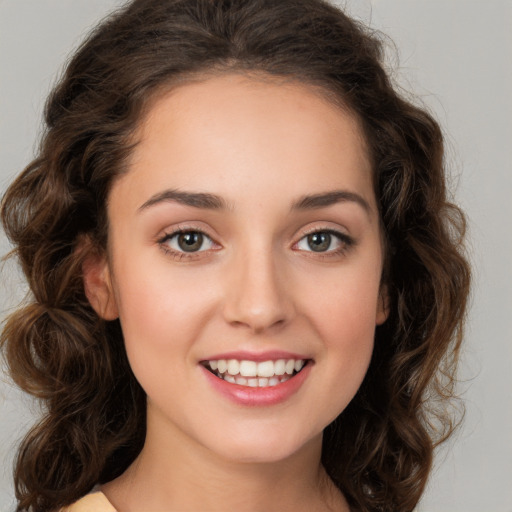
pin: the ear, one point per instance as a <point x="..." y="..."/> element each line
<point x="382" y="306"/>
<point x="98" y="284"/>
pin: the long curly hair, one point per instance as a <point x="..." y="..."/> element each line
<point x="379" y="450"/>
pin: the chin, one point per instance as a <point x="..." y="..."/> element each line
<point x="259" y="446"/>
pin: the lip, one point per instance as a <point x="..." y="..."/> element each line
<point x="257" y="357"/>
<point x="257" y="397"/>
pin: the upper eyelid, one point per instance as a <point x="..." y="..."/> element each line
<point x="182" y="228"/>
<point x="342" y="237"/>
<point x="172" y="234"/>
<point x="338" y="231"/>
<point x="323" y="230"/>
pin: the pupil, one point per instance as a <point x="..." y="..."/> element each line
<point x="319" y="242"/>
<point x="190" y="242"/>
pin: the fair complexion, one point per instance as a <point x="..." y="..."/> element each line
<point x="245" y="229"/>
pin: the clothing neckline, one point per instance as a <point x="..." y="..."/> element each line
<point x="95" y="500"/>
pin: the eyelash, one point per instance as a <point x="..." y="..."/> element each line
<point x="180" y="255"/>
<point x="346" y="241"/>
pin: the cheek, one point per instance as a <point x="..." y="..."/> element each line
<point x="161" y="314"/>
<point x="343" y="301"/>
<point x="343" y="312"/>
<point x="348" y="332"/>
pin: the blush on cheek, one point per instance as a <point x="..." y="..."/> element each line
<point x="349" y="331"/>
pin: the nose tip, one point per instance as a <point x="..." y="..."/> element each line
<point x="256" y="320"/>
<point x="257" y="297"/>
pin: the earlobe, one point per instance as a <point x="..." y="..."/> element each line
<point x="382" y="306"/>
<point x="98" y="285"/>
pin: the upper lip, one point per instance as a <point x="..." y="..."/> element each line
<point x="269" y="355"/>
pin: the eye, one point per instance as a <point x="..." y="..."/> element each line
<point x="324" y="241"/>
<point x="187" y="241"/>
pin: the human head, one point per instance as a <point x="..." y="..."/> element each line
<point x="91" y="118"/>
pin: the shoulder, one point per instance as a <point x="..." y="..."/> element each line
<point x="95" y="501"/>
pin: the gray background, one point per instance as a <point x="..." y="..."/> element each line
<point x="456" y="55"/>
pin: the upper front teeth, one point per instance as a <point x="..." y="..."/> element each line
<point x="247" y="368"/>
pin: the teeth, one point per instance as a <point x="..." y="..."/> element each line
<point x="266" y="369"/>
<point x="248" y="369"/>
<point x="261" y="382"/>
<point x="253" y="374"/>
<point x="279" y="367"/>
<point x="233" y="367"/>
<point x="290" y="366"/>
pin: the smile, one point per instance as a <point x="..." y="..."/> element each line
<point x="255" y="374"/>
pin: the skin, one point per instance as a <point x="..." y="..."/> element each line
<point x="257" y="285"/>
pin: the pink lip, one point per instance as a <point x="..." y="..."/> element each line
<point x="244" y="395"/>
<point x="258" y="357"/>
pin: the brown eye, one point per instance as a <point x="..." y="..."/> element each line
<point x="325" y="241"/>
<point x="187" y="242"/>
<point x="191" y="241"/>
<point x="319" y="242"/>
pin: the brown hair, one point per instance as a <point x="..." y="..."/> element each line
<point x="379" y="450"/>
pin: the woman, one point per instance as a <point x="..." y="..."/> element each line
<point x="247" y="279"/>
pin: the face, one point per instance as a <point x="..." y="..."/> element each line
<point x="244" y="264"/>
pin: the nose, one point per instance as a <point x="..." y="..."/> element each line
<point x="257" y="295"/>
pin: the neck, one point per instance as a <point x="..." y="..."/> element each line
<point x="174" y="473"/>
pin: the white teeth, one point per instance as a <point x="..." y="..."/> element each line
<point x="253" y="374"/>
<point x="248" y="368"/>
<point x="266" y="369"/>
<point x="233" y="367"/>
<point x="261" y="382"/>
<point x="279" y="367"/>
<point x="290" y="366"/>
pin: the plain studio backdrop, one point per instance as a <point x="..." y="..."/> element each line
<point x="456" y="56"/>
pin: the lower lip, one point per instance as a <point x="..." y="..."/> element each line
<point x="270" y="395"/>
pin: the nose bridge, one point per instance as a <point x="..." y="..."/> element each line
<point x="257" y="296"/>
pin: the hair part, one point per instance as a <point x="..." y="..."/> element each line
<point x="379" y="450"/>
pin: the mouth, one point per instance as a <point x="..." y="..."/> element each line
<point x="253" y="374"/>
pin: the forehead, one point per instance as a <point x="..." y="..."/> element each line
<point x="219" y="132"/>
<point x="204" y="97"/>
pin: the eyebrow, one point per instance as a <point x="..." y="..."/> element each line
<point x="204" y="200"/>
<point x="201" y="200"/>
<point x="323" y="200"/>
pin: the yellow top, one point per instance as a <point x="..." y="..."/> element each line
<point x="95" y="501"/>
